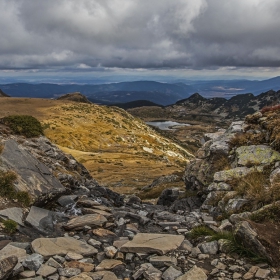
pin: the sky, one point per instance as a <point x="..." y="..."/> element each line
<point x="112" y="40"/>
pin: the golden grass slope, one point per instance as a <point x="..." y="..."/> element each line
<point x="119" y="150"/>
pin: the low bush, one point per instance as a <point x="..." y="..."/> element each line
<point x="24" y="125"/>
<point x="257" y="188"/>
<point x="7" y="189"/>
<point x="232" y="244"/>
<point x="10" y="226"/>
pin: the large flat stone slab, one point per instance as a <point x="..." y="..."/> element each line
<point x="48" y="247"/>
<point x="14" y="213"/>
<point x="85" y="220"/>
<point x="153" y="243"/>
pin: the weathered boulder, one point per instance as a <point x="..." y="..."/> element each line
<point x="49" y="247"/>
<point x="33" y="176"/>
<point x="249" y="238"/>
<point x="168" y="196"/>
<point x="6" y="266"/>
<point x="234" y="173"/>
<point x="33" y="262"/>
<point x="256" y="155"/>
<point x="210" y="248"/>
<point x="153" y="243"/>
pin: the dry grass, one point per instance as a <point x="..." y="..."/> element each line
<point x="257" y="188"/>
<point x="246" y="139"/>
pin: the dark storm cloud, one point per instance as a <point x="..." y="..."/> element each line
<point x="71" y="34"/>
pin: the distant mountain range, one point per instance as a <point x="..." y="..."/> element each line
<point x="199" y="108"/>
<point x="160" y="93"/>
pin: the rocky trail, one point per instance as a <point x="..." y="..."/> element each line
<point x="77" y="229"/>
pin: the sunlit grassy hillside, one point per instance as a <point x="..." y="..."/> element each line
<point x="119" y="150"/>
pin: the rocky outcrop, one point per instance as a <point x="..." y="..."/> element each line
<point x="75" y="96"/>
<point x="33" y="176"/>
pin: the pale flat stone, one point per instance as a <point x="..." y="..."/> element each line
<point x="82" y="276"/>
<point x="85" y="267"/>
<point x="14" y="213"/>
<point x="10" y="250"/>
<point x="262" y="273"/>
<point x="153" y="243"/>
<point x="195" y="273"/>
<point x="108" y="264"/>
<point x="101" y="232"/>
<point x="49" y="247"/>
<point x="85" y="220"/>
<point x="106" y="275"/>
<point x="27" y="274"/>
<point x="72" y="256"/>
<point x="46" y="270"/>
<point x="97" y="211"/>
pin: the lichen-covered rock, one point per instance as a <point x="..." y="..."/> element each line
<point x="256" y="155"/>
<point x="234" y="173"/>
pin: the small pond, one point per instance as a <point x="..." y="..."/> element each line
<point x="167" y="125"/>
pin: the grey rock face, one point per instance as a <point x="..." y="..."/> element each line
<point x="33" y="262"/>
<point x="33" y="176"/>
<point x="14" y="213"/>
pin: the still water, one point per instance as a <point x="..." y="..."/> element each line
<point x="167" y="125"/>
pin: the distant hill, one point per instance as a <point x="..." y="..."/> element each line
<point x="3" y="94"/>
<point x="129" y="96"/>
<point x="136" y="104"/>
<point x="75" y="96"/>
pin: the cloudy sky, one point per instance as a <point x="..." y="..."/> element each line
<point x="139" y="38"/>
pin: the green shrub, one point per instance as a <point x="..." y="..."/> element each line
<point x="7" y="179"/>
<point x="10" y="226"/>
<point x="7" y="189"/>
<point x="232" y="244"/>
<point x="200" y="231"/>
<point x="24" y="125"/>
